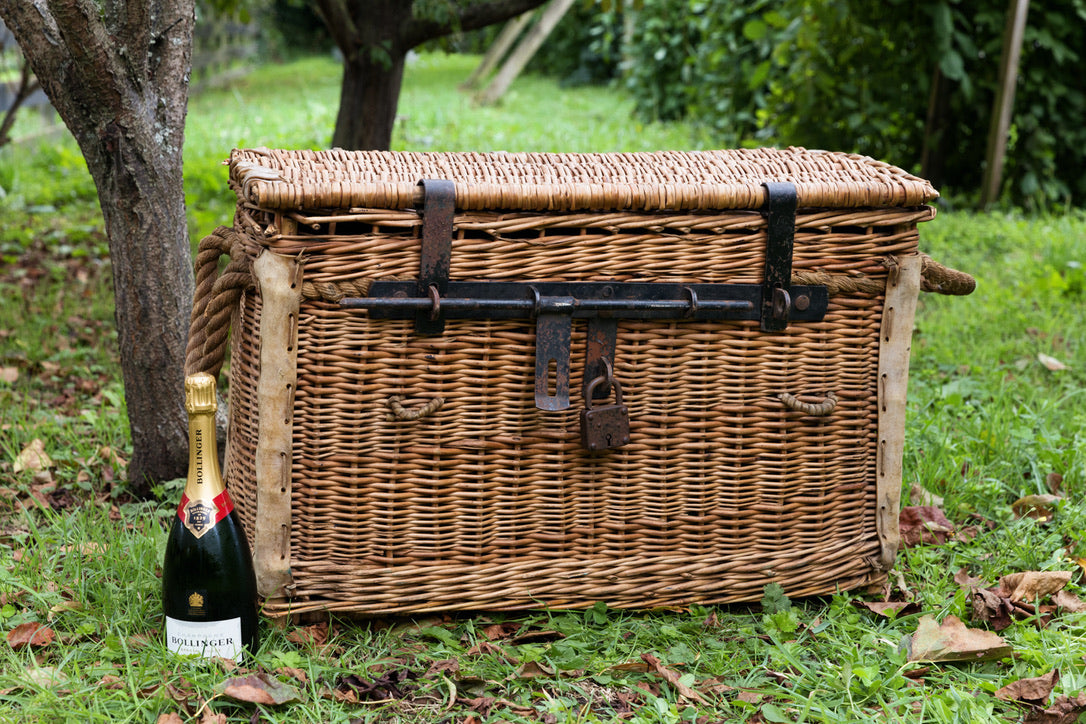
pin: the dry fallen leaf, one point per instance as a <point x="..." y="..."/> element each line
<point x="952" y="641"/>
<point x="533" y="670"/>
<point x="171" y="718"/>
<point x="9" y="374"/>
<point x="1069" y="602"/>
<point x="1028" y="586"/>
<point x="114" y="683"/>
<point x="1064" y="710"/>
<point x="672" y="677"/>
<point x="259" y="689"/>
<point x="501" y="631"/>
<point x="1038" y="507"/>
<point x="998" y="612"/>
<point x="33" y="458"/>
<point x="1051" y="363"/>
<point x="886" y="608"/>
<point x="922" y="496"/>
<point x="62" y="607"/>
<point x="293" y="673"/>
<point x="33" y="635"/>
<point x="1030" y="691"/>
<point x="315" y="635"/>
<point x="46" y="676"/>
<point x="110" y="456"/>
<point x="924" y="524"/>
<point x="963" y="579"/>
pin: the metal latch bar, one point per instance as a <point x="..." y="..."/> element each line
<point x="619" y="300"/>
<point x="435" y="257"/>
<point x="780" y="212"/>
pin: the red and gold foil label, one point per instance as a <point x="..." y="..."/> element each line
<point x="201" y="515"/>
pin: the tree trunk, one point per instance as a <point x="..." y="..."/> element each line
<point x="374" y="37"/>
<point x="117" y="73"/>
<point x="368" y="99"/>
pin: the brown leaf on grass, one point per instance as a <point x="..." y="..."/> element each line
<point x="715" y="685"/>
<point x="1051" y="363"/>
<point x="952" y="641"/>
<point x="33" y="635"/>
<point x="963" y="579"/>
<point x="924" y="525"/>
<point x="1028" y="586"/>
<point x="292" y="673"/>
<point x="46" y="676"/>
<point x="315" y="635"/>
<point x="9" y="374"/>
<point x="211" y="717"/>
<point x="1054" y="481"/>
<point x="112" y="457"/>
<point x="533" y="670"/>
<point x="171" y="718"/>
<point x="443" y="666"/>
<point x="33" y="458"/>
<point x="485" y="648"/>
<point x="923" y="496"/>
<point x="1064" y="710"/>
<point x="888" y="608"/>
<point x="259" y="689"/>
<point x="484" y="705"/>
<point x="111" y="682"/>
<point x="389" y="685"/>
<point x="1030" y="691"/>
<point x="672" y="677"/>
<point x="1039" y="507"/>
<point x="500" y="631"/>
<point x="1069" y="602"/>
<point x="997" y="611"/>
<point x="1015" y="595"/>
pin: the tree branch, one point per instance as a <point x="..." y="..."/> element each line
<point x="340" y="23"/>
<point x="27" y="85"/>
<point x="469" y="16"/>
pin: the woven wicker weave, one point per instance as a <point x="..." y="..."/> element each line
<point x="416" y="472"/>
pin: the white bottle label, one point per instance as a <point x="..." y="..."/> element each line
<point x="205" y="638"/>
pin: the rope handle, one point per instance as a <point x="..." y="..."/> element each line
<point x="214" y="299"/>
<point x="399" y="412"/>
<point x="817" y="409"/>
<point x="934" y="277"/>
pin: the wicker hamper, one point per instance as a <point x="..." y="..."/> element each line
<point x="414" y="336"/>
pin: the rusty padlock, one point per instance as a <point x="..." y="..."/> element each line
<point x="604" y="426"/>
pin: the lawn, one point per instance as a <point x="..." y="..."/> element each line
<point x="996" y="413"/>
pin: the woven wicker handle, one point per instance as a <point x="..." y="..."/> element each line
<point x="214" y="300"/>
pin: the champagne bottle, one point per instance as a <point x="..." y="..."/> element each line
<point x="208" y="584"/>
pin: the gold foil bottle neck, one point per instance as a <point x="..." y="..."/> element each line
<point x="200" y="393"/>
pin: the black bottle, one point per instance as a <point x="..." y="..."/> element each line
<point x="208" y="584"/>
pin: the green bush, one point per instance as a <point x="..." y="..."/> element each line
<point x="585" y="48"/>
<point x="893" y="79"/>
<point x="909" y="82"/>
<point x="709" y="60"/>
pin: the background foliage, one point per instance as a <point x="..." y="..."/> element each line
<point x="858" y="75"/>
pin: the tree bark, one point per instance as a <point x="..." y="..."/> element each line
<point x="369" y="95"/>
<point x="117" y="73"/>
<point x="374" y="37"/>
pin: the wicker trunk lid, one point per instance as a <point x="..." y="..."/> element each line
<point x="383" y="464"/>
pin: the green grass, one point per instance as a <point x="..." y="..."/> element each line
<point x="988" y="422"/>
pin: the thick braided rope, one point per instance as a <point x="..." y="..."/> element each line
<point x="934" y="277"/>
<point x="214" y="299"/>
